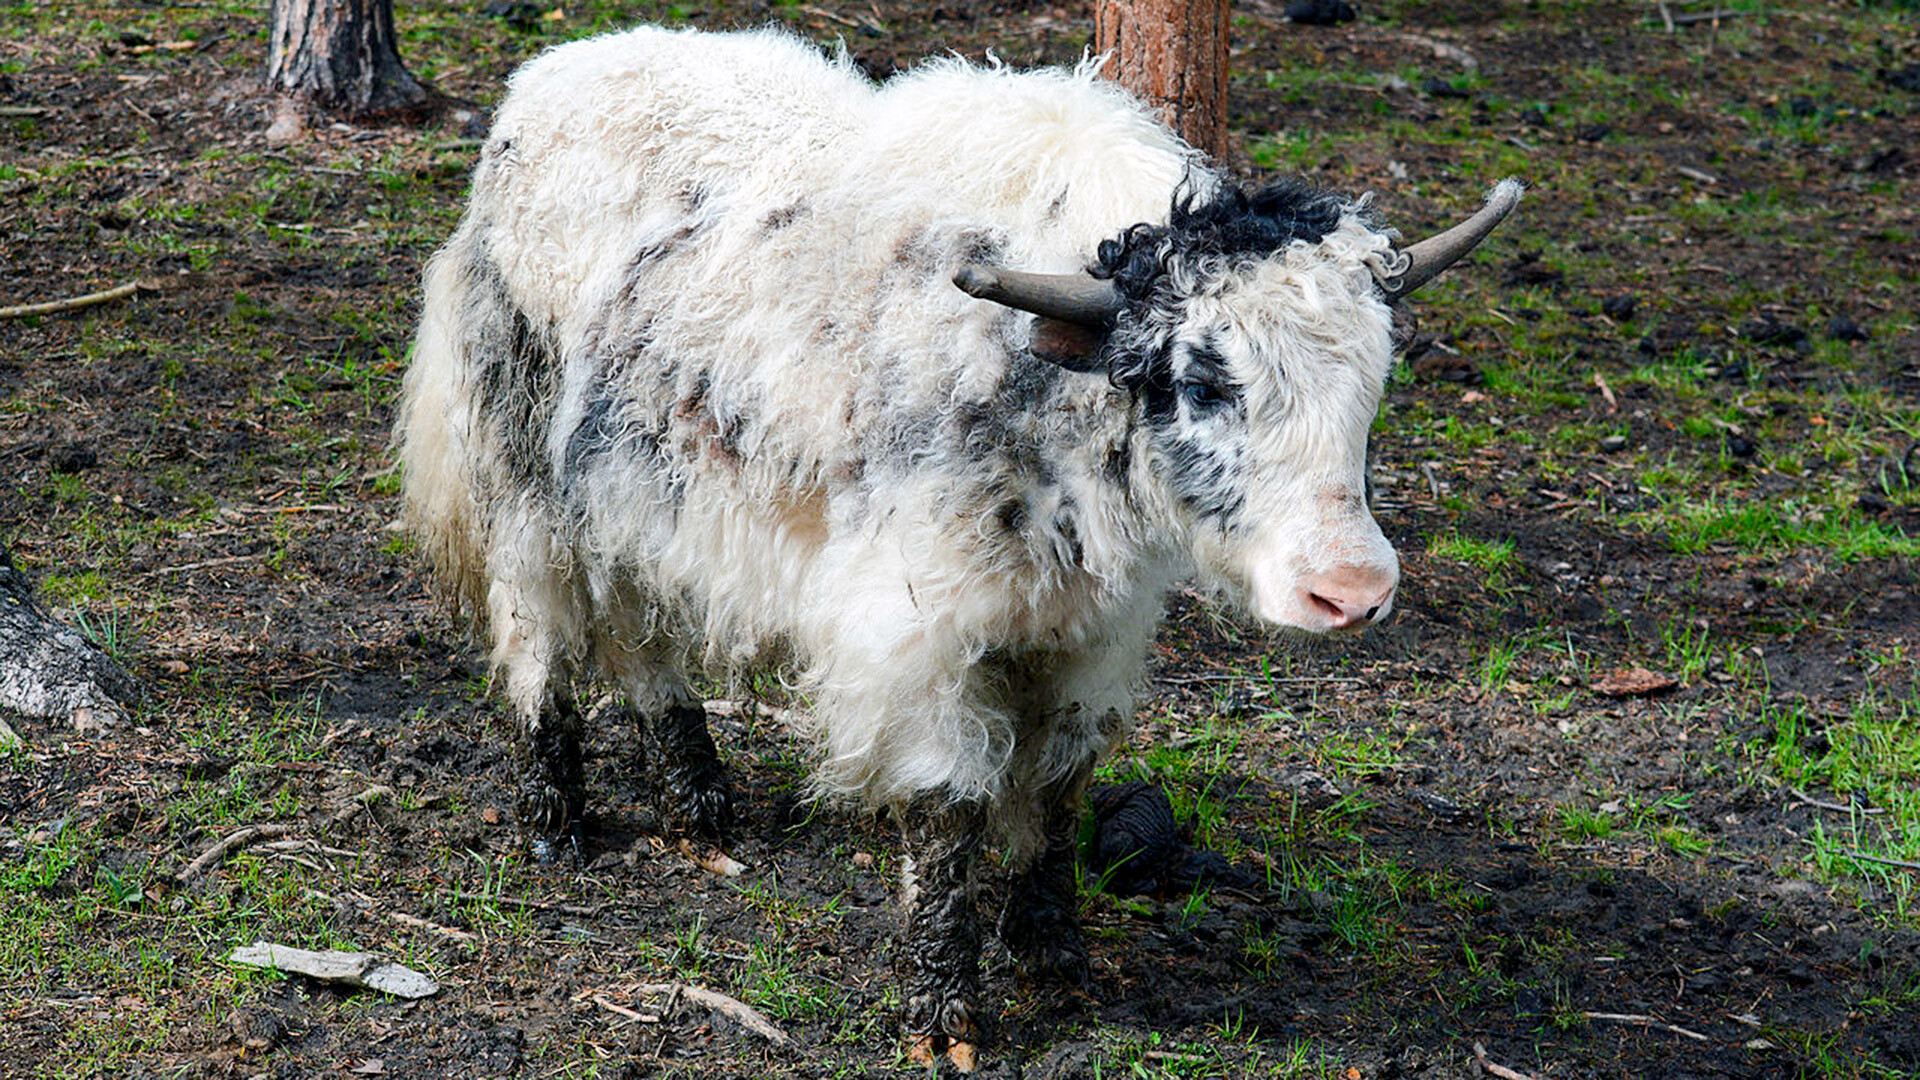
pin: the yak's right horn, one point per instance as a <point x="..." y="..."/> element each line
<point x="1076" y="298"/>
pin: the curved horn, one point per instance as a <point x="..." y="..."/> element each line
<point x="1075" y="298"/>
<point x="1417" y="264"/>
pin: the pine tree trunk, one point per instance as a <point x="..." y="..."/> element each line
<point x="339" y="56"/>
<point x="1171" y="54"/>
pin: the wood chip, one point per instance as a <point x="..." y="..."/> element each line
<point x="1633" y="682"/>
<point x="343" y="968"/>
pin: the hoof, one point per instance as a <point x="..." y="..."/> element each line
<point x="927" y="1049"/>
<point x="943" y="1028"/>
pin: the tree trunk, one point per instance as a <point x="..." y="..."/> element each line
<point x="339" y="56"/>
<point x="1171" y="54"/>
<point x="48" y="671"/>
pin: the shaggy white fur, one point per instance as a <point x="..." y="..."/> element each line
<point x="692" y="387"/>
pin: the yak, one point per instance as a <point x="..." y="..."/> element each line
<point x="923" y="393"/>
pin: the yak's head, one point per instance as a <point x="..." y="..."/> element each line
<point x="1255" y="333"/>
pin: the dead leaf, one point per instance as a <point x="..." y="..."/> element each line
<point x="1633" y="682"/>
<point x="370" y="1067"/>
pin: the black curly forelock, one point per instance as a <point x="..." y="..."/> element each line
<point x="1224" y="221"/>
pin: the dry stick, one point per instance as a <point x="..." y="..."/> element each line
<point x="1501" y="1071"/>
<point x="1613" y="403"/>
<point x="636" y="1017"/>
<point x="1838" y="808"/>
<point x="239" y="838"/>
<point x="201" y="565"/>
<point x="460" y="936"/>
<point x="532" y="905"/>
<point x="742" y="1013"/>
<point x="71" y="303"/>
<point x="1864" y="857"/>
<point x="1703" y="16"/>
<point x="1646" y="1021"/>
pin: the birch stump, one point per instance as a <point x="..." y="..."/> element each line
<point x="51" y="672"/>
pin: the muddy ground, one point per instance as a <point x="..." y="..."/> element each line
<point x="1664" y="420"/>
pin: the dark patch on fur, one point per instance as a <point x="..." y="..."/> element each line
<point x="1066" y="523"/>
<point x="516" y="369"/>
<point x="1199" y="479"/>
<point x="1118" y="468"/>
<point x="781" y="217"/>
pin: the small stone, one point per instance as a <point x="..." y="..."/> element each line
<point x="1613" y="443"/>
<point x="1321" y="12"/>
<point x="863" y="860"/>
<point x="1619" y="307"/>
<point x="1842" y="328"/>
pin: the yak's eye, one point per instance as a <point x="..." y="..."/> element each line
<point x="1202" y="396"/>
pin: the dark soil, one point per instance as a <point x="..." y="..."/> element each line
<point x="203" y="471"/>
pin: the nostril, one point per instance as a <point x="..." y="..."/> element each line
<point x="1325" y="606"/>
<point x="1373" y="611"/>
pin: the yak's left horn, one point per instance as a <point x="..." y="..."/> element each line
<point x="1075" y="298"/>
<point x="1414" y="266"/>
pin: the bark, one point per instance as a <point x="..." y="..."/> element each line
<point x="51" y="672"/>
<point x="1172" y="54"/>
<point x="339" y="56"/>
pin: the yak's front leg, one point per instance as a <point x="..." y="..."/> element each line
<point x="553" y="788"/>
<point x="939" y="950"/>
<point x="1040" y="925"/>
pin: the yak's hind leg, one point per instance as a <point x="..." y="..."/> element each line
<point x="553" y="787"/>
<point x="939" y="949"/>
<point x="1040" y="925"/>
<point x="529" y="654"/>
<point x="689" y="782"/>
<point x="681" y="765"/>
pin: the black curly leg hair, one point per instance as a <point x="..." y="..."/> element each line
<point x="689" y="782"/>
<point x="553" y="789"/>
<point x="939" y="952"/>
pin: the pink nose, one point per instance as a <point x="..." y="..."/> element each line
<point x="1349" y="596"/>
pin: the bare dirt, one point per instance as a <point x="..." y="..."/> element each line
<point x="202" y="470"/>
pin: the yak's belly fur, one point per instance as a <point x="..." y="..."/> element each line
<point x="692" y="384"/>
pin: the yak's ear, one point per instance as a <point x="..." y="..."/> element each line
<point x="1071" y="345"/>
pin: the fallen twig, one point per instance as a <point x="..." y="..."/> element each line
<point x="739" y="1011"/>
<point x="460" y="936"/>
<point x="1864" y="857"/>
<point x="1494" y="1068"/>
<point x="1600" y="381"/>
<point x="71" y="303"/>
<point x="1805" y="799"/>
<point x="1702" y="16"/>
<point x="203" y="564"/>
<point x="1644" y="1021"/>
<point x="622" y="1010"/>
<point x="232" y="842"/>
<point x="576" y="910"/>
